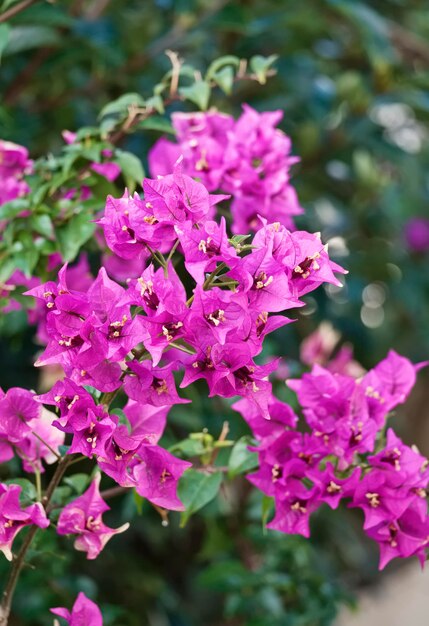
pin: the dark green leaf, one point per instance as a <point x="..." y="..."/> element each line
<point x="4" y="37"/>
<point x="42" y="224"/>
<point x="29" y="37"/>
<point x="189" y="447"/>
<point x="198" y="93"/>
<point x="28" y="493"/>
<point x="242" y="460"/>
<point x="11" y="209"/>
<point x="155" y="122"/>
<point x="72" y="235"/>
<point x="225" y="79"/>
<point x="196" y="489"/>
<point x="131" y="167"/>
<point x="120" y="106"/>
<point x="216" y="66"/>
<point x="78" y="482"/>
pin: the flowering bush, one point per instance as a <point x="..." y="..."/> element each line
<point x="182" y="292"/>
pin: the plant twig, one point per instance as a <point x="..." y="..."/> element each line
<point x="18" y="563"/>
<point x="46" y="444"/>
<point x="223" y="435"/>
<point x="114" y="491"/>
<point x="21" y="6"/>
<point x="176" y="64"/>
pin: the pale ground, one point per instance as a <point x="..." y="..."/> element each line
<point x="402" y="600"/>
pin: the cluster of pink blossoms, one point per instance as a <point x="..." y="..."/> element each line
<point x="135" y="337"/>
<point x="14" y="165"/>
<point x="248" y="158"/>
<point x="345" y="420"/>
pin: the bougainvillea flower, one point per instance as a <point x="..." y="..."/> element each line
<point x="152" y="385"/>
<point x="404" y="464"/>
<point x="42" y="443"/>
<point x="84" y="613"/>
<point x="157" y="475"/>
<point x="83" y="517"/>
<point x="17" y="408"/>
<point x="403" y="537"/>
<point x="13" y="517"/>
<point x="91" y="432"/>
<point x="294" y="508"/>
<point x="204" y="247"/>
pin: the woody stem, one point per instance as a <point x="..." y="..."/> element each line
<point x="18" y="562"/>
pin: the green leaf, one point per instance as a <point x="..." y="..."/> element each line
<point x="225" y="79"/>
<point x="62" y="495"/>
<point x="42" y="224"/>
<point x="25" y="253"/>
<point x="120" y="106"/>
<point x="4" y="37"/>
<point x="260" y="65"/>
<point x="132" y="168"/>
<point x="154" y="122"/>
<point x="11" y="209"/>
<point x="7" y="267"/>
<point x="189" y="447"/>
<point x="220" y="63"/>
<point x="78" y="482"/>
<point x="28" y="493"/>
<point x="29" y="37"/>
<point x="242" y="460"/>
<point x="267" y="508"/>
<point x="157" y="103"/>
<point x="198" y="93"/>
<point x="123" y="419"/>
<point x="72" y="235"/>
<point x="196" y="489"/>
<point x="237" y="240"/>
<point x="138" y="501"/>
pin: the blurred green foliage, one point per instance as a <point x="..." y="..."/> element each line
<point x="353" y="80"/>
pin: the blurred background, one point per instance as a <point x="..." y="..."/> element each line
<point x="353" y="81"/>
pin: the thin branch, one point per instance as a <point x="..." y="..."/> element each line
<point x="18" y="563"/>
<point x="223" y="435"/>
<point x="176" y="64"/>
<point x="46" y="444"/>
<point x="114" y="491"/>
<point x="185" y="349"/>
<point x="4" y="17"/>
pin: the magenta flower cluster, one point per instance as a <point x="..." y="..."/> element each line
<point x="346" y="419"/>
<point x="248" y="158"/>
<point x="136" y="337"/>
